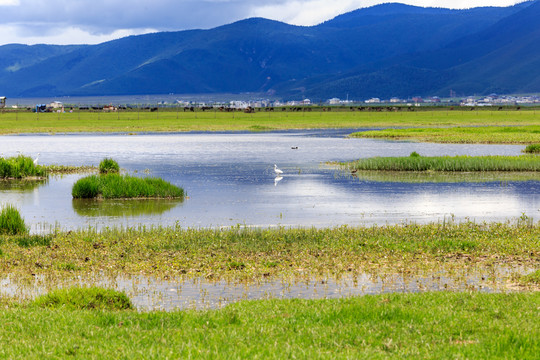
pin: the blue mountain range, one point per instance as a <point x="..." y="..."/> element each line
<point x="382" y="51"/>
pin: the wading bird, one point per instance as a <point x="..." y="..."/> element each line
<point x="278" y="172"/>
<point x="36" y="159"/>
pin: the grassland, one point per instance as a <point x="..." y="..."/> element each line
<point x="390" y="326"/>
<point x="177" y="120"/>
<point x="448" y="164"/>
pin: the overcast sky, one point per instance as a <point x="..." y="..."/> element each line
<point x="91" y="22"/>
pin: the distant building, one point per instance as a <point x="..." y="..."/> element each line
<point x="56" y="105"/>
<point x="2" y="102"/>
<point x="334" y="101"/>
<point x="373" y="101"/>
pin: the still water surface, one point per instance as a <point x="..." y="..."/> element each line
<point x="230" y="180"/>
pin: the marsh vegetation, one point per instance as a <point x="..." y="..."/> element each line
<point x="415" y="162"/>
<point x="20" y="167"/>
<point x="116" y="186"/>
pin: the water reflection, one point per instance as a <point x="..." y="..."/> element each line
<point x="120" y="208"/>
<point x="444" y="177"/>
<point x="21" y="185"/>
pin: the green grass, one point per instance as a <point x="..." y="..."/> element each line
<point x="532" y="149"/>
<point x="461" y="135"/>
<point x="108" y="165"/>
<point x="20" y="167"/>
<point x="91" y="298"/>
<point x="391" y="326"/>
<point x="532" y="278"/>
<point x="448" y="163"/>
<point x="171" y="120"/>
<point x="11" y="222"/>
<point x="115" y="186"/>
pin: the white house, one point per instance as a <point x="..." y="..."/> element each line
<point x="2" y="102"/>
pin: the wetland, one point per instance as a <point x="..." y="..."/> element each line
<point x="313" y="240"/>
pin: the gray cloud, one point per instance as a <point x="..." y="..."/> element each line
<point x="97" y="19"/>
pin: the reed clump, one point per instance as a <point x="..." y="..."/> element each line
<point x="11" y="222"/>
<point x="108" y="166"/>
<point x="91" y="298"/>
<point x="448" y="163"/>
<point x="532" y="149"/>
<point x="116" y="186"/>
<point x="20" y="167"/>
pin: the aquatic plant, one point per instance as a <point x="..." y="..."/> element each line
<point x="20" y="167"/>
<point x="115" y="186"/>
<point x="11" y="222"/>
<point x="80" y="298"/>
<point x="108" y="165"/>
<point x="448" y="163"/>
<point x="532" y="149"/>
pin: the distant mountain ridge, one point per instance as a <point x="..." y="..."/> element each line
<point x="385" y="50"/>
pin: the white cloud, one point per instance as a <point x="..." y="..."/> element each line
<point x="9" y="2"/>
<point x="66" y="36"/>
<point x="312" y="12"/>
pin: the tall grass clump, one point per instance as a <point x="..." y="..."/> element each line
<point x="532" y="149"/>
<point x="11" y="222"/>
<point x="448" y="163"/>
<point x="115" y="186"/>
<point x="107" y="166"/>
<point x="20" y="167"/>
<point x="91" y="298"/>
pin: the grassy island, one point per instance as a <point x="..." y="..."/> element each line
<point x="416" y="162"/>
<point x="116" y="186"/>
<point x="21" y="167"/>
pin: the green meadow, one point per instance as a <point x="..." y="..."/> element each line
<point x="172" y="119"/>
<point x="391" y="326"/>
<point x="462" y="135"/>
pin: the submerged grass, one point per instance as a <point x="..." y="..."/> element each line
<point x="80" y="298"/>
<point x="448" y="163"/>
<point x="20" y="167"/>
<point x="390" y="326"/>
<point x="115" y="186"/>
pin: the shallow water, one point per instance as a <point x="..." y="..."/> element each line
<point x="229" y="179"/>
<point x="149" y="293"/>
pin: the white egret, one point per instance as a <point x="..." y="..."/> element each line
<point x="277" y="171"/>
<point x="36" y="159"/>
